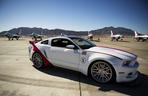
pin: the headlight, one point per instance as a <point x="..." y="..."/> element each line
<point x="126" y="63"/>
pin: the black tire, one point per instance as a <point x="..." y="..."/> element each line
<point x="143" y="40"/>
<point x="37" y="60"/>
<point x="112" y="39"/>
<point x="104" y="72"/>
<point x="117" y="39"/>
<point x="138" y="39"/>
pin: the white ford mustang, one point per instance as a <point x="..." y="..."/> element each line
<point x="103" y="64"/>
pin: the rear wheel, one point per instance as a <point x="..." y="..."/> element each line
<point x="112" y="39"/>
<point x="143" y="40"/>
<point x="37" y="60"/>
<point x="138" y="39"/>
<point x="101" y="71"/>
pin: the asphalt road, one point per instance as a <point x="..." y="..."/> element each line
<point x="19" y="78"/>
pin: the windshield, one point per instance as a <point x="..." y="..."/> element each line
<point x="82" y="43"/>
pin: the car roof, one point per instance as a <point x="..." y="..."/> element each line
<point x="66" y="37"/>
<point x="63" y="37"/>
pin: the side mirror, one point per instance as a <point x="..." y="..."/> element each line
<point x="70" y="46"/>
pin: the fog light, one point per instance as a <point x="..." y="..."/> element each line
<point x="130" y="73"/>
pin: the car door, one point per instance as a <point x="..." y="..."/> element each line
<point x="62" y="56"/>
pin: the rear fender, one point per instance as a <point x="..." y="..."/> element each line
<point x="35" y="49"/>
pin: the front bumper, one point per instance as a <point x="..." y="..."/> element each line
<point x="127" y="74"/>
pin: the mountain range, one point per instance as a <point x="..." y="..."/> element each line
<point x="103" y="31"/>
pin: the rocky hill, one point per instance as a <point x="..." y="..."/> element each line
<point x="118" y="30"/>
<point x="103" y="31"/>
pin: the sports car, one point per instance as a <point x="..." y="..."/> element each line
<point x="103" y="64"/>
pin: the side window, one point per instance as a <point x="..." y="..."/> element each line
<point x="55" y="42"/>
<point x="61" y="42"/>
<point x="44" y="42"/>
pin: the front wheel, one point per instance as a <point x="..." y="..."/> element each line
<point x="37" y="60"/>
<point x="102" y="72"/>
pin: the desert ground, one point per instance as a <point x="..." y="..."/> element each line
<point x="19" y="78"/>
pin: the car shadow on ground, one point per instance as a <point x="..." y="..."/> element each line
<point x="122" y="41"/>
<point x="135" y="88"/>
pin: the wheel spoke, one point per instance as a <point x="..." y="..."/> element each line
<point x="99" y="77"/>
<point x="95" y="70"/>
<point x="107" y="69"/>
<point x="106" y="76"/>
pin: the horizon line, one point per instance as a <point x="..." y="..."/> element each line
<point x="69" y="29"/>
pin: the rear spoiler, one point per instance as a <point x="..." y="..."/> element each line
<point x="35" y="49"/>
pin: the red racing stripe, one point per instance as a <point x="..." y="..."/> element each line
<point x="35" y="49"/>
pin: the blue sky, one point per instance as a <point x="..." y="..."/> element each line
<point x="78" y="15"/>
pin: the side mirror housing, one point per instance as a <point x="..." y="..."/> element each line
<point x="70" y="46"/>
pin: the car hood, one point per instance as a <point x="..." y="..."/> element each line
<point x="114" y="52"/>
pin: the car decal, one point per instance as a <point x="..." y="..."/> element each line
<point x="105" y="54"/>
<point x="45" y="53"/>
<point x="119" y="50"/>
<point x="35" y="49"/>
